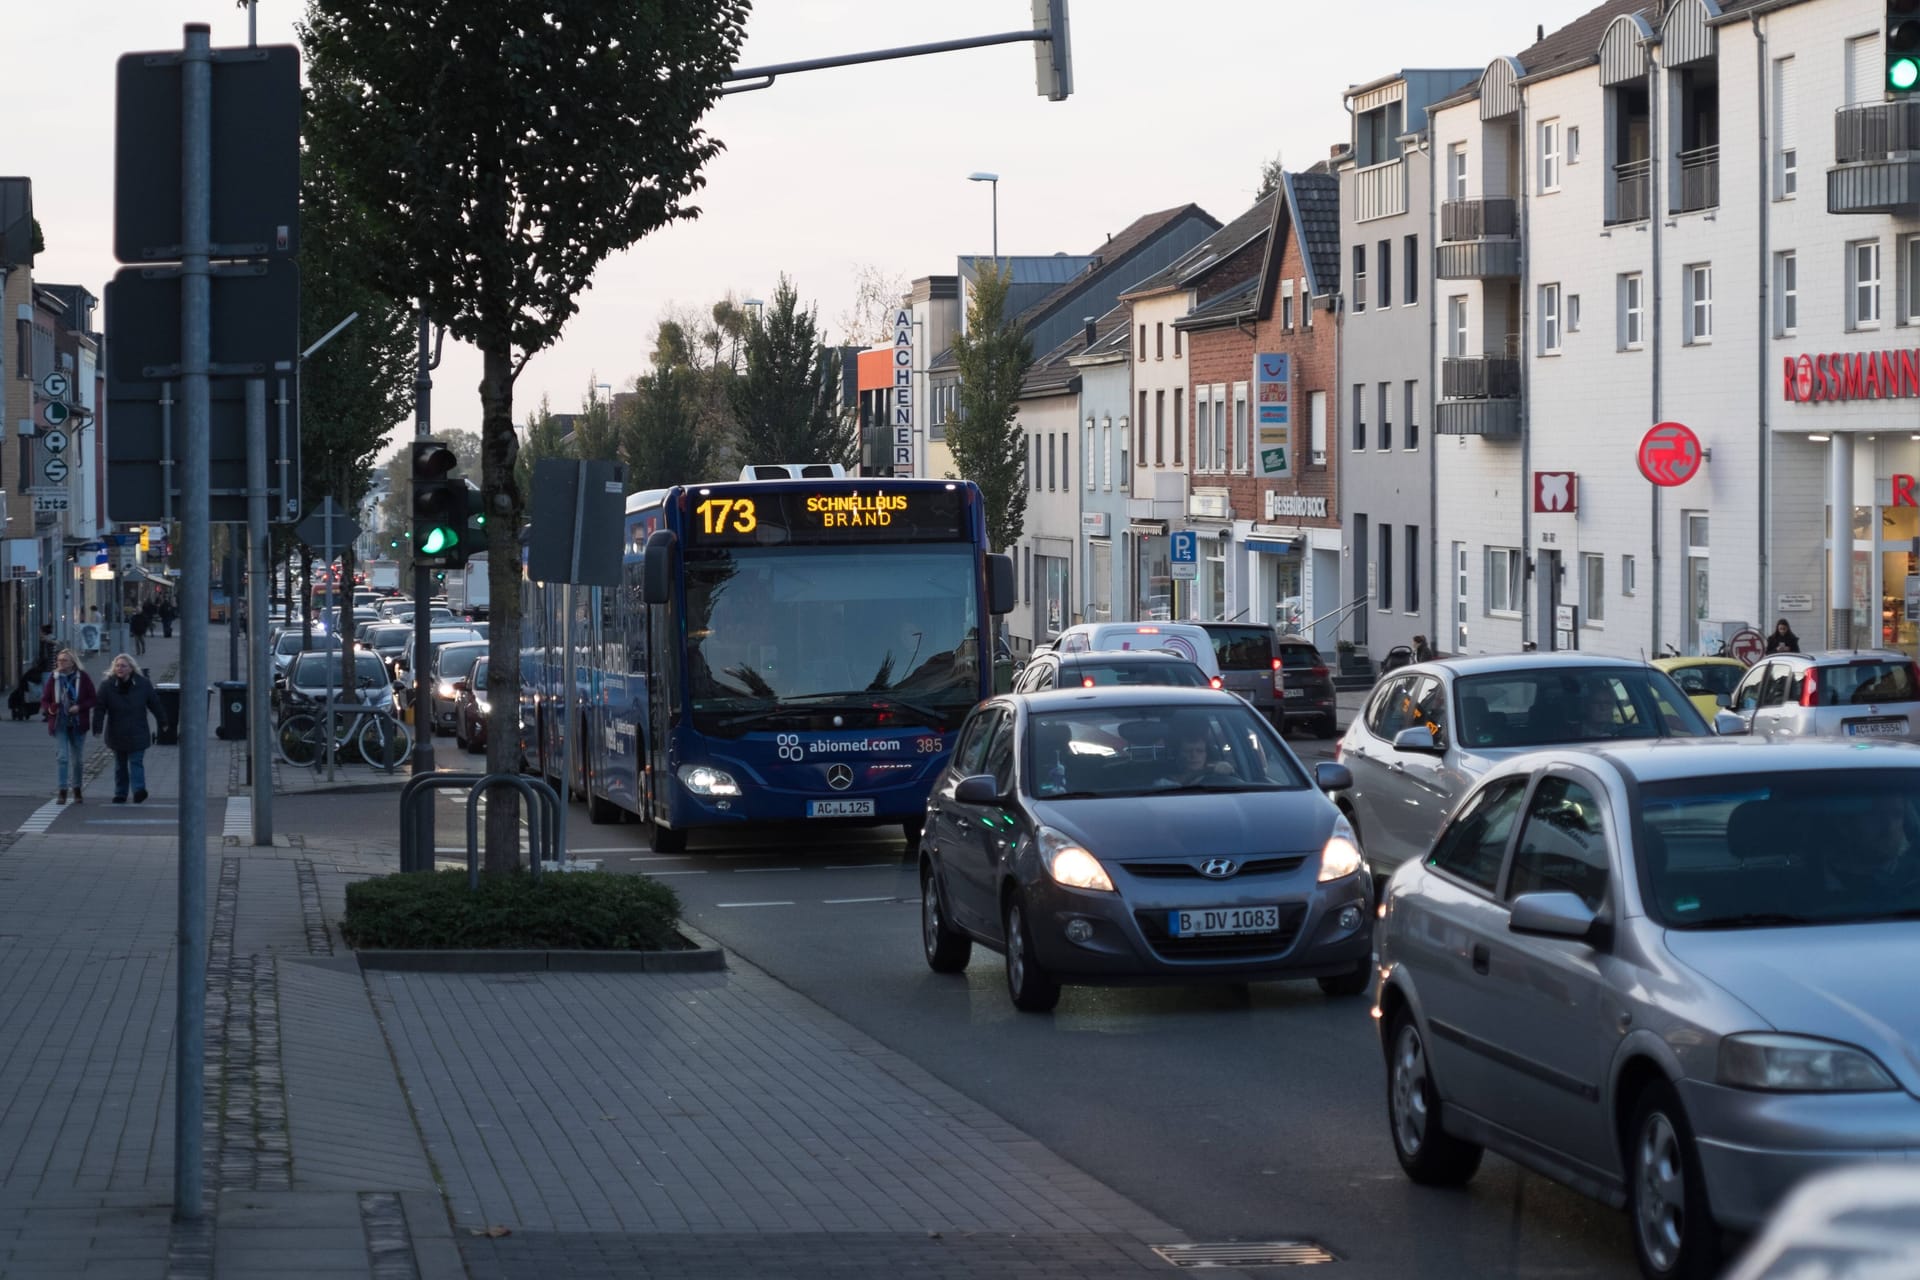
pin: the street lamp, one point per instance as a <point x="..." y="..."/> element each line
<point x="993" y="178"/>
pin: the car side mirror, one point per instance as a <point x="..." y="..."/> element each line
<point x="1329" y="776"/>
<point x="1420" y="738"/>
<point x="1554" y="915"/>
<point x="460" y="686"/>
<point x="980" y="788"/>
<point x="1730" y="724"/>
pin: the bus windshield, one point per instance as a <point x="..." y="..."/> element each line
<point x="832" y="637"/>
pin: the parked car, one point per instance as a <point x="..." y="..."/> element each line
<point x="1112" y="667"/>
<point x="1677" y="979"/>
<point x="471" y="709"/>
<point x="1184" y="638"/>
<point x="1429" y="731"/>
<point x="1139" y="834"/>
<point x="1309" y="697"/>
<point x="1250" y="665"/>
<point x="1708" y="682"/>
<point x="1843" y="693"/>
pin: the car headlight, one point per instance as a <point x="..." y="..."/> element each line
<point x="486" y="708"/>
<point x="1341" y="857"/>
<point x="445" y="689"/>
<point x="1071" y="865"/>
<point x="705" y="780"/>
<point x="1799" y="1064"/>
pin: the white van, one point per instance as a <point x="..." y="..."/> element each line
<point x="1184" y="638"/>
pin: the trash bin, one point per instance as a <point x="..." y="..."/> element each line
<point x="169" y="735"/>
<point x="233" y="710"/>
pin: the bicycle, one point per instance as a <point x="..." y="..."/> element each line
<point x="374" y="733"/>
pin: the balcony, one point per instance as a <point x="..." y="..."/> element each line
<point x="1699" y="179"/>
<point x="1877" y="149"/>
<point x="1478" y="240"/>
<point x="1479" y="396"/>
<point x="1380" y="190"/>
<point x="1632" y="187"/>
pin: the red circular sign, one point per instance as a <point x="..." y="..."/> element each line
<point x="1669" y="454"/>
<point x="1748" y="646"/>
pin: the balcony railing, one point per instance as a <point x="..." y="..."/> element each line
<point x="1380" y="190"/>
<point x="1632" y="185"/>
<point x="1699" y="179"/>
<point x="1479" y="378"/>
<point x="1875" y="131"/>
<point x="1486" y="219"/>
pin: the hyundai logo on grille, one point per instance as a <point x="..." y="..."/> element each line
<point x="840" y="777"/>
<point x="1219" y="868"/>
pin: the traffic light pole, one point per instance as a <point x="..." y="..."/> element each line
<point x="422" y="623"/>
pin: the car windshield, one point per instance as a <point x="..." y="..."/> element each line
<point x="313" y="671"/>
<point x="1248" y="648"/>
<point x="1859" y="683"/>
<point x="1092" y="752"/>
<point x="387" y="637"/>
<point x="1755" y="850"/>
<point x="1716" y="678"/>
<point x="455" y="659"/>
<point x="1536" y="706"/>
<point x="1091" y="672"/>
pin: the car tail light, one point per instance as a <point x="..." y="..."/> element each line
<point x="1810" y="691"/>
<point x="1279" y="681"/>
<point x="1146" y="631"/>
<point x="1086" y="682"/>
<point x="1321" y="673"/>
<point x="1213" y="682"/>
<point x="1339" y="750"/>
<point x="1913" y="674"/>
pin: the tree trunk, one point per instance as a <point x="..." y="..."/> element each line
<point x="498" y="447"/>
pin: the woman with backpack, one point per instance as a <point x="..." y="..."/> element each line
<point x="67" y="703"/>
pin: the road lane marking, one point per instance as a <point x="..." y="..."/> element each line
<point x="750" y="871"/>
<point x="40" y="819"/>
<point x="129" y="822"/>
<point x="664" y="872"/>
<point x="861" y="866"/>
<point x="239" y="820"/>
<point x="753" y="904"/>
<point x="834" y="902"/>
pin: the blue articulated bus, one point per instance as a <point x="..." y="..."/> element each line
<point x="780" y="650"/>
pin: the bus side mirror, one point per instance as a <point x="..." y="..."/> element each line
<point x="1000" y="583"/>
<point x="656" y="572"/>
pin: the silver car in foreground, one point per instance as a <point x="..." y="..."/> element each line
<point x="1676" y="977"/>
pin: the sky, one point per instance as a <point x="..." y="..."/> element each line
<point x="829" y="172"/>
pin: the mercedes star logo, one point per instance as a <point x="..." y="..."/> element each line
<point x="840" y="777"/>
<point x="1219" y="868"/>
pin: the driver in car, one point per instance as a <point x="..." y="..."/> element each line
<point x="1190" y="759"/>
<point x="1876" y="857"/>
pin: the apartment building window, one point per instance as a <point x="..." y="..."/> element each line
<point x="1216" y="553"/>
<point x="1410" y="269"/>
<point x="1699" y="280"/>
<point x="1141" y="452"/>
<point x="1159" y="340"/>
<point x="1306" y="305"/>
<point x="1863" y="284"/>
<point x="1386" y="416"/>
<point x="1066" y="461"/>
<point x="1383" y="587"/>
<point x="1384" y="251"/>
<point x="1143" y="349"/>
<point x="1573" y="313"/>
<point x="1242" y="429"/>
<point x="1179" y="423"/>
<point x="1593" y="589"/>
<point x="1176" y="342"/>
<point x="1633" y="311"/>
<point x="1050" y="462"/>
<point x="1549" y="319"/>
<point x="1359" y="278"/>
<point x="1092" y="455"/>
<point x="1457" y="325"/>
<point x="1317" y="416"/>
<point x="1286" y="304"/>
<point x="1573" y="144"/>
<point x="1033" y="460"/>
<point x="1222" y="430"/>
<point x="1202" y="428"/>
<point x="1456" y="171"/>
<point x="1786" y="154"/>
<point x="1026" y="561"/>
<point x="1626" y="575"/>
<point x="1125" y="434"/>
<point x="1786" y="293"/>
<point x="1503" y="580"/>
<point x="1413" y="568"/>
<point x="1413" y="415"/>
<point x="1106" y="452"/>
<point x="1549" y="155"/>
<point x="1359" y="416"/>
<point x="1910" y="280"/>
<point x="1160" y="428"/>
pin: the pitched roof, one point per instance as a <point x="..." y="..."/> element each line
<point x="1216" y="248"/>
<point x="1314" y="201"/>
<point x="1115" y="250"/>
<point x="1055" y="372"/>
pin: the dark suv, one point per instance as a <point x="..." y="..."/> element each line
<point x="1309" y="699"/>
<point x="1249" y="664"/>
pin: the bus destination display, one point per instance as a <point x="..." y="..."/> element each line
<point x="815" y="517"/>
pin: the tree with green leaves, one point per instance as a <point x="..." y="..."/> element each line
<point x="545" y="438"/>
<point x="595" y="433"/>
<point x="663" y="441"/>
<point x="984" y="434"/>
<point x="786" y="403"/>
<point x="501" y="151"/>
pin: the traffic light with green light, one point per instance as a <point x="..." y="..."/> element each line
<point x="439" y="508"/>
<point x="1903" y="46"/>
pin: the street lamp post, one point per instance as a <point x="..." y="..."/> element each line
<point x="994" y="180"/>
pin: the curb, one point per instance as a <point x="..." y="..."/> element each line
<point x="693" y="960"/>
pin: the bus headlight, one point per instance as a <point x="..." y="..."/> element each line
<point x="705" y="780"/>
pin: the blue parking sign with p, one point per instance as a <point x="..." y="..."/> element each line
<point x="1186" y="547"/>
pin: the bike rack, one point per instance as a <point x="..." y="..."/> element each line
<point x="547" y="825"/>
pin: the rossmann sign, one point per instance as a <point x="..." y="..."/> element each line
<point x="1852" y="375"/>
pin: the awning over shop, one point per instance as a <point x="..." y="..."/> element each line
<point x="1274" y="547"/>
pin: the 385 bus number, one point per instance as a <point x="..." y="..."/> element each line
<point x="927" y="746"/>
<point x="722" y="515"/>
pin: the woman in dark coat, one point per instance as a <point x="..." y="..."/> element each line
<point x="67" y="702"/>
<point x="1783" y="640"/>
<point x="120" y="716"/>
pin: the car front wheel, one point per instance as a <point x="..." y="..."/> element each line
<point x="1427" y="1152"/>
<point x="1674" y="1235"/>
<point x="947" y="949"/>
<point x="1032" y="988"/>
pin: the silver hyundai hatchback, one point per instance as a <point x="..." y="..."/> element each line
<point x="1678" y="978"/>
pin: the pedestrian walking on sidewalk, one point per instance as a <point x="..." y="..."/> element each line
<point x="67" y="703"/>
<point x="137" y="624"/>
<point x="167" y="614"/>
<point x="126" y="698"/>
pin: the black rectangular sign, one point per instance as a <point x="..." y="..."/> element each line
<point x="822" y="515"/>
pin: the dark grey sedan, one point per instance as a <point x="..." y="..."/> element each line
<point x="1124" y="835"/>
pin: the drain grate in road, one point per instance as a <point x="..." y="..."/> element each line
<point x="1247" y="1253"/>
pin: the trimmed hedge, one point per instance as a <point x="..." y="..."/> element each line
<point x="574" y="910"/>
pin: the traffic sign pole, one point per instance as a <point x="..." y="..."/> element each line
<point x="259" y="663"/>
